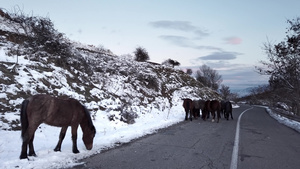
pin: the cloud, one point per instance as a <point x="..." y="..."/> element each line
<point x="233" y="40"/>
<point x="186" y="42"/>
<point x="177" y="40"/>
<point x="184" y="26"/>
<point x="178" y="25"/>
<point x="242" y="76"/>
<point x="207" y="48"/>
<point x="222" y="55"/>
<point x="201" y="33"/>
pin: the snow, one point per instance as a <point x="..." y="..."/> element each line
<point x="288" y="122"/>
<point x="6" y="26"/>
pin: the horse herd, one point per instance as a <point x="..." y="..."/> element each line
<point x="193" y="107"/>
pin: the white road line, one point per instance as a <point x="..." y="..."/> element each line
<point x="235" y="152"/>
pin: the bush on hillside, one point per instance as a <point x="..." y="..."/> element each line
<point x="141" y="54"/>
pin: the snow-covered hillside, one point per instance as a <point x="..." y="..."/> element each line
<point x="127" y="99"/>
<point x="99" y="79"/>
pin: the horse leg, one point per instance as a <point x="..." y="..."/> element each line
<point x="28" y="140"/>
<point x="194" y="112"/>
<point x="231" y="115"/>
<point x="74" y="138"/>
<point x="31" y="148"/>
<point x="61" y="138"/>
<point x="213" y="114"/>
<point x="218" y="114"/>
<point x="203" y="114"/>
<point x="24" y="147"/>
<point x="186" y="114"/>
<point x="191" y="114"/>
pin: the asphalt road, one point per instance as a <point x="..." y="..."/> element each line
<point x="263" y="143"/>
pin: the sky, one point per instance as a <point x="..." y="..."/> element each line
<point x="228" y="36"/>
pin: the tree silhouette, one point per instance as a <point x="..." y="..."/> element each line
<point x="141" y="54"/>
<point x="209" y="77"/>
<point x="283" y="66"/>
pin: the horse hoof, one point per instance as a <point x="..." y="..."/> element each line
<point x="23" y="157"/>
<point x="75" y="151"/>
<point x="212" y="120"/>
<point x="32" y="154"/>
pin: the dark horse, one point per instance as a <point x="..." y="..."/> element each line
<point x="60" y="112"/>
<point x="211" y="107"/>
<point x="197" y="106"/>
<point x="227" y="109"/>
<point x="206" y="110"/>
<point x="188" y="107"/>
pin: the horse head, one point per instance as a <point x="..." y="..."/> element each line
<point x="88" y="137"/>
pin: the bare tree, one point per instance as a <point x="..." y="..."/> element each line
<point x="209" y="77"/>
<point x="225" y="92"/>
<point x="283" y="66"/>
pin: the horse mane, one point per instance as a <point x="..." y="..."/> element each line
<point x="88" y="116"/>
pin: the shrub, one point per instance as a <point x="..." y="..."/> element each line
<point x="141" y="54"/>
<point x="171" y="62"/>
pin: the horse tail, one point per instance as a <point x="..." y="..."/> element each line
<point x="24" y="118"/>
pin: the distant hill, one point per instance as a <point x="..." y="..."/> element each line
<point x="36" y="58"/>
<point x="242" y="92"/>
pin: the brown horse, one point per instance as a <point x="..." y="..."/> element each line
<point x="60" y="112"/>
<point x="188" y="107"/>
<point x="215" y="106"/>
<point x="211" y="107"/>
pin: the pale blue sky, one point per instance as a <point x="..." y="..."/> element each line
<point x="227" y="35"/>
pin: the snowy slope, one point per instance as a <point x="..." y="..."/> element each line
<point x="127" y="99"/>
